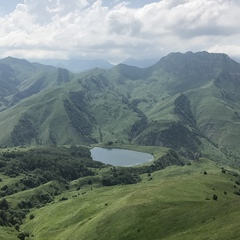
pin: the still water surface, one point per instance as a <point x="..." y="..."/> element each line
<point x="120" y="157"/>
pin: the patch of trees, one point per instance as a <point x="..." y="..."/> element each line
<point x="78" y="113"/>
<point x="78" y="151"/>
<point x="78" y="120"/>
<point x="22" y="235"/>
<point x="138" y="127"/>
<point x="183" y="110"/>
<point x="120" y="176"/>
<point x="11" y="155"/>
<point x="141" y="123"/>
<point x="10" y="216"/>
<point x="24" y="132"/>
<point x="171" y="158"/>
<point x="175" y="136"/>
<point x="79" y="101"/>
<point x="46" y="164"/>
<point x="98" y="83"/>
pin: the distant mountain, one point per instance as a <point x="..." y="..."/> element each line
<point x="78" y="65"/>
<point x="21" y="79"/>
<point x="189" y="102"/>
<point x="140" y="63"/>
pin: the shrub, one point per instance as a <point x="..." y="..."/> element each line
<point x="237" y="182"/>
<point x="237" y="193"/>
<point x="17" y="227"/>
<point x="120" y="176"/>
<point x="90" y="182"/>
<point x="4" y="204"/>
<point x="21" y="236"/>
<point x="215" y="197"/>
<point x="5" y="187"/>
<point x="63" y="199"/>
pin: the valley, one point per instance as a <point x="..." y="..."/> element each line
<point x="183" y="110"/>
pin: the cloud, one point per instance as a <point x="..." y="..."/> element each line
<point x="95" y="29"/>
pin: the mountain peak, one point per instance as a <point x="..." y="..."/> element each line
<point x="199" y="59"/>
<point x="16" y="63"/>
<point x="13" y="59"/>
<point x="199" y="54"/>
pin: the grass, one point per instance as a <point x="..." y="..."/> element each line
<point x="169" y="204"/>
<point x="8" y="180"/>
<point x="7" y="233"/>
<point x="215" y="119"/>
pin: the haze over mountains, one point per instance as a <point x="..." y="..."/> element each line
<point x="80" y="65"/>
<point x="77" y="65"/>
<point x="189" y="102"/>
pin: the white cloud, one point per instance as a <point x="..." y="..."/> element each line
<point x="67" y="28"/>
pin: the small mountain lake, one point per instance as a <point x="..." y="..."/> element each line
<point x="120" y="157"/>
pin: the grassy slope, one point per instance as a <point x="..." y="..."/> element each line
<point x="216" y="117"/>
<point x="172" y="205"/>
<point x="112" y="98"/>
<point x="49" y="109"/>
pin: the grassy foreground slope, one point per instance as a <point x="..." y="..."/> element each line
<point x="175" y="203"/>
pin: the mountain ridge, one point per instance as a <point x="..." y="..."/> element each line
<point x="179" y="102"/>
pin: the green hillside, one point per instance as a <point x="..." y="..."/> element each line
<point x="30" y="178"/>
<point x="184" y="110"/>
<point x="21" y="79"/>
<point x="188" y="102"/>
<point x="175" y="203"/>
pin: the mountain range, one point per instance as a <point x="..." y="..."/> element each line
<point x="77" y="65"/>
<point x="189" y="102"/>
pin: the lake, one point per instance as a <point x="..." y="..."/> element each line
<point x="120" y="157"/>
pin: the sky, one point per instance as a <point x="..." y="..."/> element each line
<point x="116" y="30"/>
